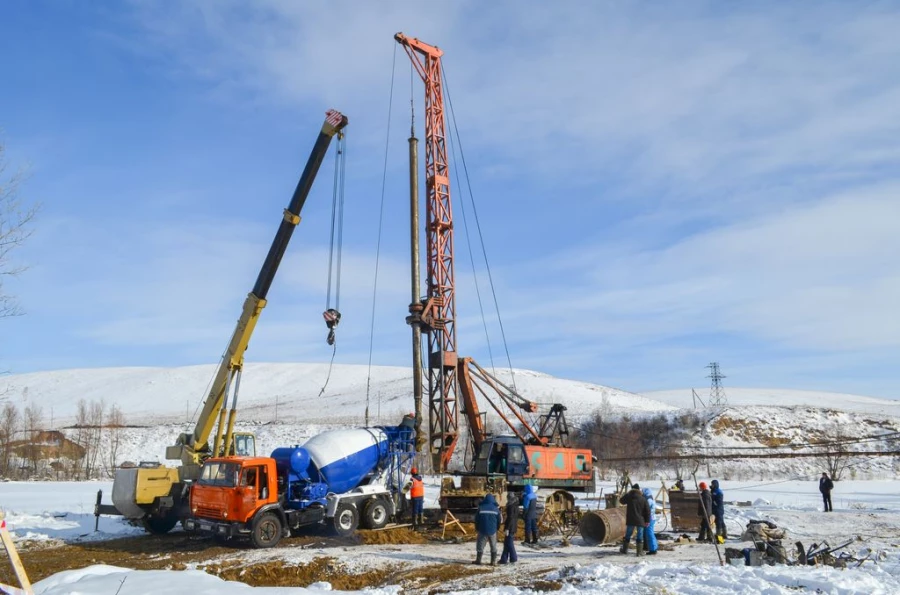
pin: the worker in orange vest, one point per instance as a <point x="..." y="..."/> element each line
<point x="417" y="495"/>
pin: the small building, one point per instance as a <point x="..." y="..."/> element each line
<point x="50" y="444"/>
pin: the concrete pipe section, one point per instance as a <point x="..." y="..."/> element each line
<point x="603" y="526"/>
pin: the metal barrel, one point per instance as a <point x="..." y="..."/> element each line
<point x="603" y="526"/>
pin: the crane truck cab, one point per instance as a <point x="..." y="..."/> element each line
<point x="239" y="496"/>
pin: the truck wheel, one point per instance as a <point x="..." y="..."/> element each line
<point x="266" y="531"/>
<point x="375" y="515"/>
<point x="160" y="525"/>
<point x="346" y="519"/>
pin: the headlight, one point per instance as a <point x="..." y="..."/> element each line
<point x="225" y="515"/>
<point x="194" y="510"/>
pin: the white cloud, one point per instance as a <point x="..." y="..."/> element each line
<point x="818" y="277"/>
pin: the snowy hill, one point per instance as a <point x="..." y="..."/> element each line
<point x="682" y="399"/>
<point x="285" y="404"/>
<point x="166" y="395"/>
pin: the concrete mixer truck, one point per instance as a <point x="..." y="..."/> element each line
<point x="342" y="478"/>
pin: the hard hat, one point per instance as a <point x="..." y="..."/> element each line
<point x="413" y="470"/>
<point x="702" y="485"/>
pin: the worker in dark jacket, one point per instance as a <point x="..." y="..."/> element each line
<point x="704" y="509"/>
<point x="637" y="518"/>
<point x="510" y="525"/>
<point x="718" y="509"/>
<point x="487" y="521"/>
<point x="825" y="486"/>
<point x="530" y="512"/>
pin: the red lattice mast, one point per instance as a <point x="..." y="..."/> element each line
<point x="439" y="311"/>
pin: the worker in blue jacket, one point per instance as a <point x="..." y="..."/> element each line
<point x="718" y="509"/>
<point x="530" y="513"/>
<point x="650" y="544"/>
<point x="487" y="521"/>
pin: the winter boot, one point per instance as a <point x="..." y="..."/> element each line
<point x="639" y="549"/>
<point x="493" y="558"/>
<point x="624" y="548"/>
<point x="702" y="537"/>
<point x="534" y="538"/>
<point x="477" y="558"/>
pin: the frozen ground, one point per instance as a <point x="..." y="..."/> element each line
<point x="866" y="511"/>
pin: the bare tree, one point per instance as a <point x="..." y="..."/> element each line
<point x="9" y="425"/>
<point x="114" y="423"/>
<point x="82" y="432"/>
<point x="15" y="227"/>
<point x="837" y="454"/>
<point x="33" y="419"/>
<point x="93" y="433"/>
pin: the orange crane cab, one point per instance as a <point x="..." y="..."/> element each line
<point x="557" y="467"/>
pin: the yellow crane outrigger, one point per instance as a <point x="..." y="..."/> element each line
<point x="156" y="494"/>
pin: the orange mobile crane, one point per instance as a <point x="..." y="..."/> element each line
<point x="539" y="456"/>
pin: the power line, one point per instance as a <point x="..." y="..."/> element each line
<point x="777" y="455"/>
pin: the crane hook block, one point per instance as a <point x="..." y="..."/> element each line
<point x="332" y="318"/>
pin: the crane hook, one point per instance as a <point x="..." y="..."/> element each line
<point x="332" y="318"/>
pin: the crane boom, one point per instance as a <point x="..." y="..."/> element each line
<point x="158" y="495"/>
<point x="438" y="316"/>
<point x="191" y="447"/>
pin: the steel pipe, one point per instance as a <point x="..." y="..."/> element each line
<point x="603" y="526"/>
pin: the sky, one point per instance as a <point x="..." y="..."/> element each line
<point x="658" y="185"/>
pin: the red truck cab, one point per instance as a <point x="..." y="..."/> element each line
<point x="238" y="496"/>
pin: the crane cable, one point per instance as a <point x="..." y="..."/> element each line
<point x="336" y="243"/>
<point x="387" y="144"/>
<point x="455" y="132"/>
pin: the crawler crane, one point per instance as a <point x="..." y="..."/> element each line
<point x="538" y="456"/>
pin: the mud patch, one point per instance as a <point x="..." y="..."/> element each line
<point x="150" y="552"/>
<point x="398" y="536"/>
<point x="281" y="574"/>
<point x="437" y="578"/>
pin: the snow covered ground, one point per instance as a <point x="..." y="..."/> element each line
<point x="866" y="511"/>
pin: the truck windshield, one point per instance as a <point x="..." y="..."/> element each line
<point x="219" y="474"/>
